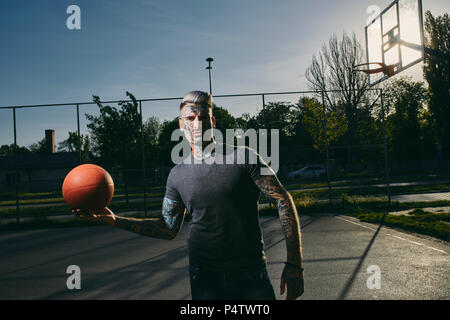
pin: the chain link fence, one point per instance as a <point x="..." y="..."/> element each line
<point x="321" y="149"/>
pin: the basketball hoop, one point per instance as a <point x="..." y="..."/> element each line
<point x="388" y="70"/>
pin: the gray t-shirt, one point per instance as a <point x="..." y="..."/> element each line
<point x="224" y="232"/>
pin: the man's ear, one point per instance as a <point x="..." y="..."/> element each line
<point x="180" y="123"/>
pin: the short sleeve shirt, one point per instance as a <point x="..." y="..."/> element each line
<point x="224" y="233"/>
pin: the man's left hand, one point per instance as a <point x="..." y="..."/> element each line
<point x="293" y="279"/>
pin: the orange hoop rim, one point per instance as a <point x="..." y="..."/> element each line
<point x="388" y="70"/>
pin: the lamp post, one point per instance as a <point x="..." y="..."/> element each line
<point x="209" y="60"/>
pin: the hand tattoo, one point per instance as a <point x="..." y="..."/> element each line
<point x="273" y="190"/>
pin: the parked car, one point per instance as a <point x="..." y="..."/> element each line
<point x="308" y="172"/>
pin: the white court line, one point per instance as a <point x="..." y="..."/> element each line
<point x="397" y="237"/>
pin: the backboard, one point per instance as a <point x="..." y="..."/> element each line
<point x="395" y="38"/>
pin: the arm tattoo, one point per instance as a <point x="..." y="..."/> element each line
<point x="165" y="227"/>
<point x="273" y="190"/>
<point x="173" y="213"/>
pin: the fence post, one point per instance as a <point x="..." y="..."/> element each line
<point x="325" y="137"/>
<point x="264" y="106"/>
<point x="16" y="173"/>
<point x="79" y="136"/>
<point x="386" y="159"/>
<point x="143" y="158"/>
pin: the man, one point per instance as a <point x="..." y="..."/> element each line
<point x="226" y="251"/>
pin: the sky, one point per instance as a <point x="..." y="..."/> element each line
<point x="157" y="49"/>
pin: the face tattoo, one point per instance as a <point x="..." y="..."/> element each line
<point x="193" y="128"/>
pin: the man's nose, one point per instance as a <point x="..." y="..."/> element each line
<point x="197" y="123"/>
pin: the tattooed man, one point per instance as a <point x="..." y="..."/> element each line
<point x="226" y="250"/>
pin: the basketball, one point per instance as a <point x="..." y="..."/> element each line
<point x="88" y="187"/>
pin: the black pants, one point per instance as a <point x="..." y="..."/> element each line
<point x="213" y="285"/>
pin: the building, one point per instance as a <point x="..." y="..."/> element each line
<point x="37" y="172"/>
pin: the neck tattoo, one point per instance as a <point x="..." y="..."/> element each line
<point x="199" y="154"/>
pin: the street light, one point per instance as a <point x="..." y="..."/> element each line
<point x="209" y="60"/>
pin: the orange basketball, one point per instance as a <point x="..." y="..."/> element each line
<point x="88" y="187"/>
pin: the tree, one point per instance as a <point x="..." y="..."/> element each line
<point x="38" y="147"/>
<point x="283" y="116"/>
<point x="332" y="69"/>
<point x="165" y="140"/>
<point x="116" y="134"/>
<point x="224" y="120"/>
<point x="437" y="73"/>
<point x="152" y="130"/>
<point x="71" y="145"/>
<point x="314" y="122"/>
<point x="407" y="137"/>
<point x="278" y="115"/>
<point x="8" y="150"/>
<point x="246" y="121"/>
<point x="295" y="141"/>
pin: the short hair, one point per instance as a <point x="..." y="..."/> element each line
<point x="197" y="97"/>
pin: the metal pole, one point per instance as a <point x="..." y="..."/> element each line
<point x="143" y="159"/>
<point x="326" y="146"/>
<point x="264" y="106"/>
<point x="264" y="109"/>
<point x="79" y="135"/>
<point x="209" y="69"/>
<point x="16" y="178"/>
<point x="399" y="31"/>
<point x="386" y="160"/>
<point x="210" y="88"/>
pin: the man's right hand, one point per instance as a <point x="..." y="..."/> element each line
<point x="105" y="216"/>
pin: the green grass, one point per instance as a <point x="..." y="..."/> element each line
<point x="308" y="205"/>
<point x="427" y="224"/>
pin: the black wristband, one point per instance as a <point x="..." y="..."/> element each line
<point x="293" y="265"/>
